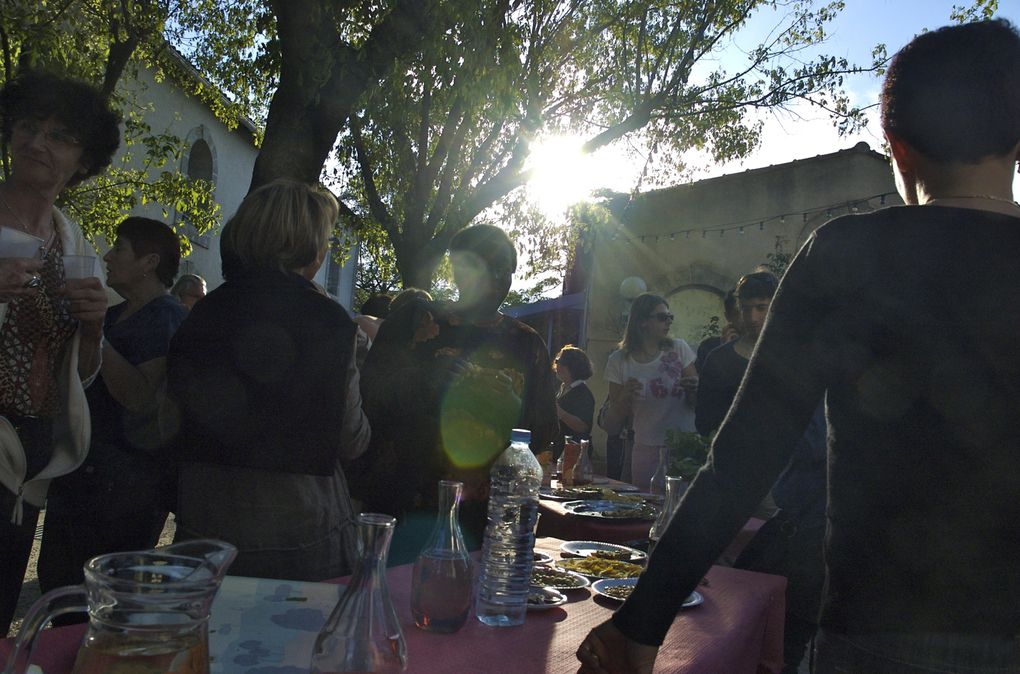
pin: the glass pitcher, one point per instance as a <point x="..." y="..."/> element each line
<point x="362" y="634"/>
<point x="441" y="585"/>
<point x="148" y="610"/>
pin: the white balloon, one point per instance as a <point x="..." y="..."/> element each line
<point x="631" y="287"/>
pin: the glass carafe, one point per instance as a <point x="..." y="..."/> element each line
<point x="362" y="633"/>
<point x="583" y="471"/>
<point x="657" y="485"/>
<point x="675" y="488"/>
<point x="148" y="610"/>
<point x="441" y="587"/>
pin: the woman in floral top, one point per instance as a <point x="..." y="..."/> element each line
<point x="652" y="379"/>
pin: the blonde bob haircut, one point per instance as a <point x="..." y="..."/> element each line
<point x="283" y="225"/>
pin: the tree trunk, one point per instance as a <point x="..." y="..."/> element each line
<point x="417" y="267"/>
<point x="322" y="79"/>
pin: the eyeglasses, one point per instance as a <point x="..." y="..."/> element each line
<point x="54" y="137"/>
<point x="663" y="317"/>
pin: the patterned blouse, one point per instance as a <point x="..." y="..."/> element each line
<point x="32" y="339"/>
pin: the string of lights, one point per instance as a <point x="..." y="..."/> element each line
<point x="865" y="205"/>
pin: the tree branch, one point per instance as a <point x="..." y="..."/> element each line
<point x="375" y="202"/>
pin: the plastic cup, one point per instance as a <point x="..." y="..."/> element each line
<point x="15" y="243"/>
<point x="79" y="266"/>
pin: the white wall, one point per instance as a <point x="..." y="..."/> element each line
<point x="233" y="158"/>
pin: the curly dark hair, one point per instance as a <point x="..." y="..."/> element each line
<point x="77" y="105"/>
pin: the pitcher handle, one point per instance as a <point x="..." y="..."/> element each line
<point x="45" y="609"/>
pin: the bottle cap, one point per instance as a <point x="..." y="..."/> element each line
<point x="520" y="435"/>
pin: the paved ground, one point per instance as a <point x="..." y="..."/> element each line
<point x="30" y="588"/>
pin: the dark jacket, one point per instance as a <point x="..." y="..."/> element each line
<point x="258" y="371"/>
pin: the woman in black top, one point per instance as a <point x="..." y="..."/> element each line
<point x="902" y="318"/>
<point x="575" y="404"/>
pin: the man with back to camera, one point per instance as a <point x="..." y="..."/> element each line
<point x="896" y="317"/>
<point x="790" y="543"/>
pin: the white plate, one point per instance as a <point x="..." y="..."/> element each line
<point x="580" y="582"/>
<point x="610" y="510"/>
<point x="586" y="548"/>
<point x="542" y="557"/>
<point x="694" y="599"/>
<point x="558" y="598"/>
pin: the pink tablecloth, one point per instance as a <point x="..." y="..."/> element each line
<point x="738" y="630"/>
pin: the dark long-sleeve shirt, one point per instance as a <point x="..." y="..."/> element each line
<point x="717" y="385"/>
<point x="905" y="320"/>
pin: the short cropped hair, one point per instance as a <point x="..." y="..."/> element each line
<point x="730" y="308"/>
<point x="377" y="305"/>
<point x="186" y="281"/>
<point x="954" y="94"/>
<point x="407" y="295"/>
<point x="576" y="360"/>
<point x="758" y="284"/>
<point x="77" y="105"/>
<point x="490" y="243"/>
<point x="149" y="236"/>
<point x="282" y="226"/>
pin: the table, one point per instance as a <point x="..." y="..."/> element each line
<point x="738" y="630"/>
<point x="558" y="523"/>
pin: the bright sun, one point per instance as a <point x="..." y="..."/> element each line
<point x="563" y="175"/>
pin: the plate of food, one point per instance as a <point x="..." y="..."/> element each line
<point x="570" y="493"/>
<point x="557" y="579"/>
<point x="600" y="550"/>
<point x="600" y="568"/>
<point x="648" y="496"/>
<point x="542" y="557"/>
<point x="544" y="598"/>
<point x="606" y="509"/>
<point x="619" y="589"/>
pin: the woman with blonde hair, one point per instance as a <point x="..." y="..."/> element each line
<point x="263" y="376"/>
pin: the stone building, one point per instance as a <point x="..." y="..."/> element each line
<point x="690" y="243"/>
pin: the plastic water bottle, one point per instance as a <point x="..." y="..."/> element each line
<point x="508" y="550"/>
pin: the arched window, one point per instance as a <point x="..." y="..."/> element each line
<point x="199" y="164"/>
<point x="200" y="161"/>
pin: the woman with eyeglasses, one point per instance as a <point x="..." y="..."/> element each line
<point x="653" y="380"/>
<point x="58" y="132"/>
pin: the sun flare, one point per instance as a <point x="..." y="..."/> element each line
<point x="563" y="175"/>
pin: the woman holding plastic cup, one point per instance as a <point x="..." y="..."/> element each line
<point x="652" y="379"/>
<point x="118" y="500"/>
<point x="59" y="132"/>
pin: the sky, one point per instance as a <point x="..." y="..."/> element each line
<point x="806" y="133"/>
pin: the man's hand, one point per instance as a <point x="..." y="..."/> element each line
<point x="607" y="651"/>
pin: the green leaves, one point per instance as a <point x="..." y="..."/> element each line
<point x="105" y="42"/>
